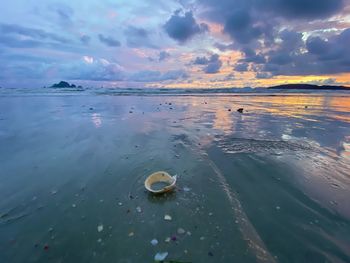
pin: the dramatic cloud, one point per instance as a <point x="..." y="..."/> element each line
<point x="183" y="27"/>
<point x="295" y="9"/>
<point x="201" y="61"/>
<point x="241" y="67"/>
<point x="317" y="46"/>
<point x="255" y="24"/>
<point x="212" y="64"/>
<point x="257" y="40"/>
<point x="251" y="56"/>
<point x="109" y="41"/>
<point x="322" y="56"/>
<point x="301" y="8"/>
<point x="239" y="25"/>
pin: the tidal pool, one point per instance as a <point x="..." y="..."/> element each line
<point x="269" y="185"/>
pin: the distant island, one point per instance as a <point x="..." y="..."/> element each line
<point x="64" y="84"/>
<point x="308" y="87"/>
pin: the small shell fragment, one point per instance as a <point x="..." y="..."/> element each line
<point x="167" y="217"/>
<point x="160" y="256"/>
<point x="181" y="231"/>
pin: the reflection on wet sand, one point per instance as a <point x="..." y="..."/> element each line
<point x="223" y="121"/>
<point x="96" y="119"/>
<point x="270" y="184"/>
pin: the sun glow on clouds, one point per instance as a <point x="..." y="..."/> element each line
<point x="222" y="43"/>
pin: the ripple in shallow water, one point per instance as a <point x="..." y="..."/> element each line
<point x="242" y="145"/>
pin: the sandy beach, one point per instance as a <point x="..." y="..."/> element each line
<point x="270" y="184"/>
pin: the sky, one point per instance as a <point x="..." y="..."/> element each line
<point x="174" y="43"/>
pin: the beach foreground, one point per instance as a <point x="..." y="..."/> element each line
<point x="269" y="185"/>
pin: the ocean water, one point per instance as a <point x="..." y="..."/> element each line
<point x="269" y="185"/>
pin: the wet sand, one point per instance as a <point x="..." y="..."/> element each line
<point x="269" y="185"/>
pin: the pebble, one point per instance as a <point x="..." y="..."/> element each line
<point x="131" y="234"/>
<point x="278" y="208"/>
<point x="138" y="209"/>
<point x="74" y="205"/>
<point x="201" y="238"/>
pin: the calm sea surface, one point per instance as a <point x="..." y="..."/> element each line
<point x="269" y="185"/>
